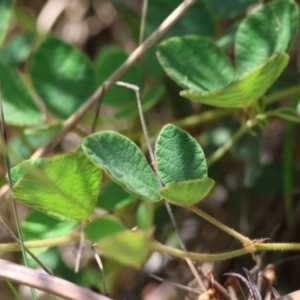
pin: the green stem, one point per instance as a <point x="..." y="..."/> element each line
<point x="154" y="246"/>
<point x="226" y="255"/>
<point x="277" y="247"/>
<point x="13" y="289"/>
<point x="230" y="142"/>
<point x="207" y="116"/>
<point x="243" y="239"/>
<point x="198" y="256"/>
<point x="10" y="247"/>
<point x="286" y="93"/>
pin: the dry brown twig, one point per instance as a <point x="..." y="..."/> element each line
<point x="50" y="284"/>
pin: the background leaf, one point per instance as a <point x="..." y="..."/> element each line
<point x="17" y="49"/>
<point x="187" y="193"/>
<point x="197" y="20"/>
<point x="195" y="63"/>
<point x="108" y="60"/>
<point x="246" y="90"/>
<point x="64" y="187"/>
<point x="38" y="226"/>
<point x="232" y="7"/>
<point x="267" y="30"/>
<point x="113" y="196"/>
<point x="124" y="162"/>
<point x="145" y="214"/>
<point x="5" y="14"/>
<point x="178" y="156"/>
<point x="63" y="82"/>
<point x="19" y="107"/>
<point x="103" y="227"/>
<point x="126" y="247"/>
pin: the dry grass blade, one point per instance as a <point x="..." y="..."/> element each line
<point x="47" y="283"/>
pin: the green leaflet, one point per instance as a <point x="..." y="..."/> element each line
<point x="65" y="187"/>
<point x="178" y="156"/>
<point x="187" y="193"/>
<point x="269" y="29"/>
<point x="195" y="63"/>
<point x="18" y="105"/>
<point x="63" y="82"/>
<point x="246" y="90"/>
<point x="124" y="162"/>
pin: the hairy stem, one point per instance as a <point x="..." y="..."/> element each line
<point x="155" y="246"/>
<point x="243" y="239"/>
<point x="198" y="256"/>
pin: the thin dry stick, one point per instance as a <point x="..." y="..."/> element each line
<point x="98" y="109"/>
<point x="80" y="249"/>
<point x="100" y="265"/>
<point x="47" y="283"/>
<point x="151" y="153"/>
<point x="134" y="57"/>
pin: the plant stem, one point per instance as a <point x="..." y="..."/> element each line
<point x="230" y="142"/>
<point x="286" y="93"/>
<point x="207" y="116"/>
<point x="162" y="248"/>
<point x="198" y="256"/>
<point x="12" y="247"/>
<point x="13" y="289"/>
<point x="277" y="247"/>
<point x="243" y="239"/>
